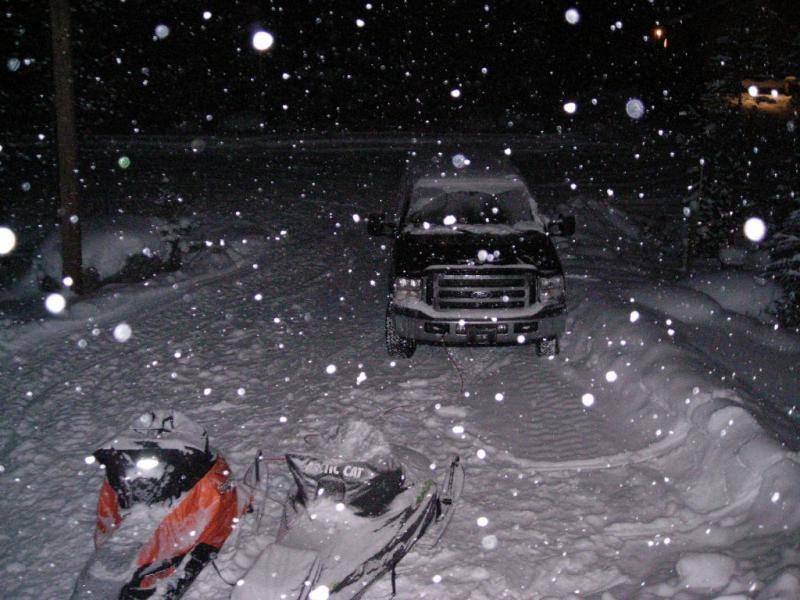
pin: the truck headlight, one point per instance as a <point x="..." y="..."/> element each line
<point x="407" y="288"/>
<point x="551" y="290"/>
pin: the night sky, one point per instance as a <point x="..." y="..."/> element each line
<point x="513" y="62"/>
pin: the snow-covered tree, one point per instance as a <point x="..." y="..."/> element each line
<point x="785" y="245"/>
<point x="785" y="268"/>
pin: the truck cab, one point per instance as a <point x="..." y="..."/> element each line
<point x="473" y="261"/>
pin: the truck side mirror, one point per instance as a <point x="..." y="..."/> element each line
<point x="378" y="226"/>
<point x="562" y="226"/>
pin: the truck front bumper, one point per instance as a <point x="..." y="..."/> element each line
<point x="416" y="325"/>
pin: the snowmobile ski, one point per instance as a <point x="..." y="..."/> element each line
<point x="452" y="487"/>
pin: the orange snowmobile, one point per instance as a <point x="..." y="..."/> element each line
<point x="166" y="507"/>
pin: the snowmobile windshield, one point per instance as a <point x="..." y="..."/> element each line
<point x="437" y="207"/>
<point x="161" y="456"/>
<point x="367" y="489"/>
<point x="152" y="475"/>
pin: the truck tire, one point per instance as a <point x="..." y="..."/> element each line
<point x="547" y="346"/>
<point x="396" y="345"/>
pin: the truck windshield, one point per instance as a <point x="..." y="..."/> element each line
<point x="438" y="207"/>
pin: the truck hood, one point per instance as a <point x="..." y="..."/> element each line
<point x="417" y="251"/>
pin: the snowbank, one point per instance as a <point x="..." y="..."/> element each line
<point x="679" y="360"/>
<point x="107" y="246"/>
<point x="739" y="291"/>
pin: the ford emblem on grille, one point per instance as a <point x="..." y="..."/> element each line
<point x="480" y="294"/>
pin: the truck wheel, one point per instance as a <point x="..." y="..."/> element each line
<point x="396" y="345"/>
<point x="547" y="346"/>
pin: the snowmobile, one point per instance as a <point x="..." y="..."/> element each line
<point x="350" y="521"/>
<point x="167" y="505"/>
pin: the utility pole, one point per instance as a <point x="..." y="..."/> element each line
<point x="69" y="212"/>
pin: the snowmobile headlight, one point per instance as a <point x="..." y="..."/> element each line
<point x="407" y="288"/>
<point x="147" y="464"/>
<point x="551" y="290"/>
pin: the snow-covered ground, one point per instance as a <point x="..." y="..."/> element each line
<point x="655" y="457"/>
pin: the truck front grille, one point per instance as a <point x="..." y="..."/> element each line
<point x="495" y="288"/>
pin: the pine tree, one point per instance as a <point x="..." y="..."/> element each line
<point x="785" y="268"/>
<point x="785" y="244"/>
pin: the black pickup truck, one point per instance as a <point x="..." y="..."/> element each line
<point x="473" y="261"/>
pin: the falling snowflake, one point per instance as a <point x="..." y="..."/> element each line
<point x="570" y="108"/>
<point x="489" y="542"/>
<point x="8" y="240"/>
<point x="319" y="593"/>
<point x="122" y="332"/>
<point x="587" y="400"/>
<point x="755" y="229"/>
<point x="162" y="31"/>
<point x="482" y="521"/>
<point x="572" y="16"/>
<point x="330" y="369"/>
<point x="460" y="161"/>
<point x="262" y="40"/>
<point x="634" y="316"/>
<point x="455" y="93"/>
<point x="55" y="303"/>
<point x="635" y="108"/>
<point x="611" y="376"/>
